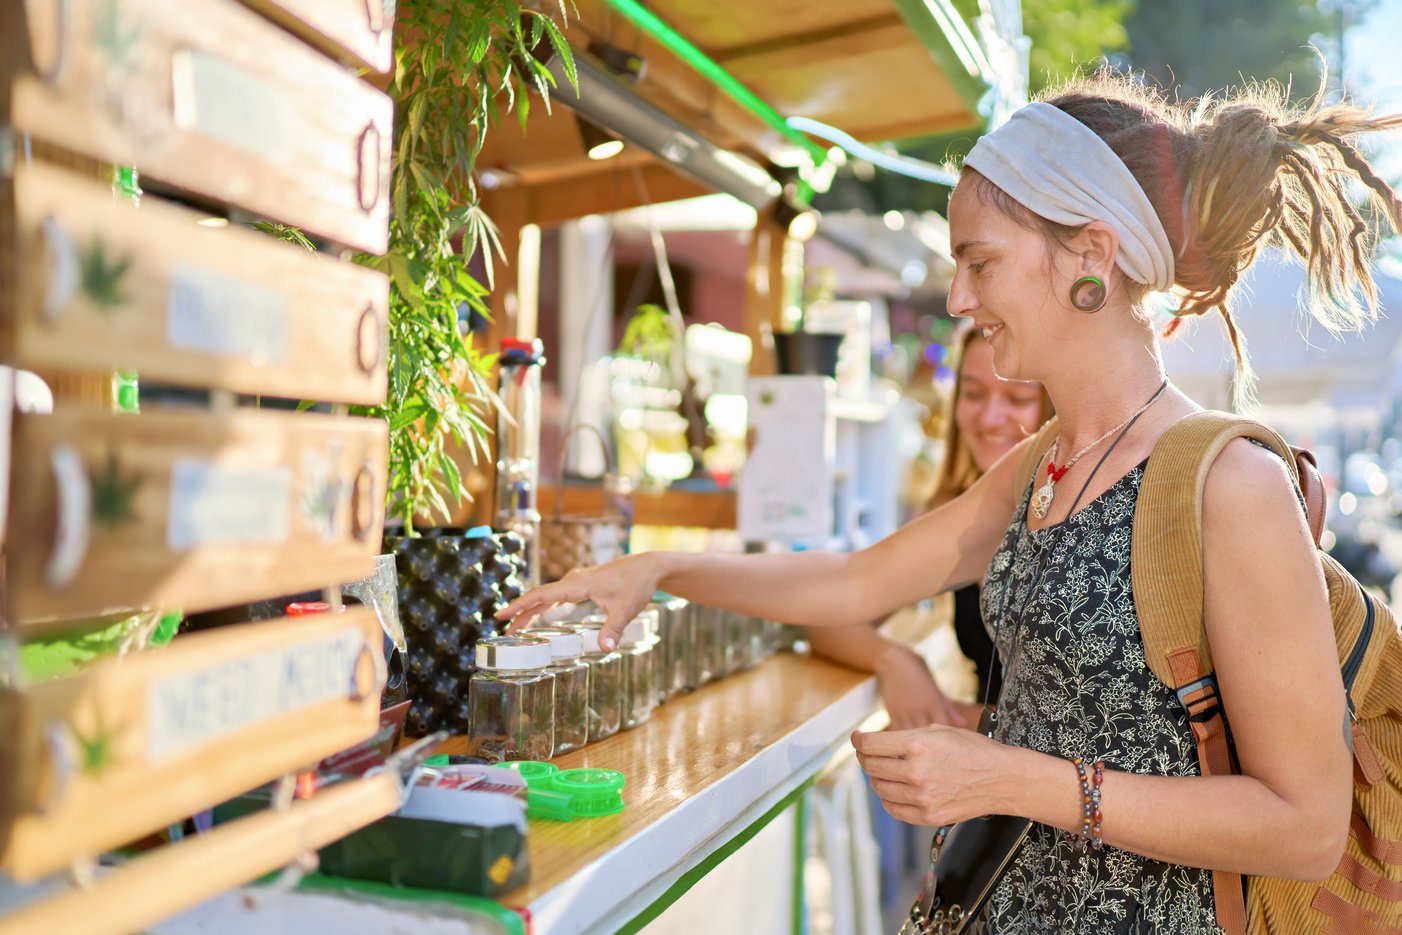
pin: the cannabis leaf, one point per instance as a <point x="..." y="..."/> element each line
<point x="97" y="748"/>
<point x="113" y="493"/>
<point x="102" y="276"/>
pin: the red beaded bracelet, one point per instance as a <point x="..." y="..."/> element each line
<point x="1090" y="834"/>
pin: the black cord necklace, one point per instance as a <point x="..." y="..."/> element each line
<point x="1118" y="438"/>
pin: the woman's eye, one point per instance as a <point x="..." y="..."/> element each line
<point x="978" y="267"/>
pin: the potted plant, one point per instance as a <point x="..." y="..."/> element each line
<point x="459" y="68"/>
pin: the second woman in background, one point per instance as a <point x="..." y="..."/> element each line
<point x="988" y="417"/>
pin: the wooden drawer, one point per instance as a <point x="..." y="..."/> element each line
<point x="360" y="30"/>
<point x="188" y="509"/>
<point x="139" y="741"/>
<point x="207" y="96"/>
<point x="98" y="285"/>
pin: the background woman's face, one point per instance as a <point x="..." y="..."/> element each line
<point x="993" y="415"/>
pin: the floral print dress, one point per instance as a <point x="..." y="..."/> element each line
<point x="1076" y="684"/>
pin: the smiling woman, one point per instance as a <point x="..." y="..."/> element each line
<point x="1066" y="217"/>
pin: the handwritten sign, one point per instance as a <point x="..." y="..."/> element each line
<point x="194" y="708"/>
<point x="136" y="742"/>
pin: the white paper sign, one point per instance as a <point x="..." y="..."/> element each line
<point x="216" y="505"/>
<point x="218" y="314"/>
<point x="234" y="106"/>
<point x="196" y="708"/>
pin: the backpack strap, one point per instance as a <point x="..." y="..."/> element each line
<point x="1167" y="579"/>
<point x="1031" y="458"/>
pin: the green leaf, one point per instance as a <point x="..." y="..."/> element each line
<point x="562" y="51"/>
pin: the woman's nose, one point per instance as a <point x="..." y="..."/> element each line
<point x="962" y="302"/>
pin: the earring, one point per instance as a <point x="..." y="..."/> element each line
<point x="1088" y="294"/>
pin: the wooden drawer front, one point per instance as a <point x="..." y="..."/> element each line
<point x="207" y="96"/>
<point x="143" y="740"/>
<point x="188" y="509"/>
<point x="361" y="30"/>
<point x="99" y="285"/>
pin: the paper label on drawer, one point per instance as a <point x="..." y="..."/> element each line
<point x="221" y="315"/>
<point x="195" y="708"/>
<point x="215" y="505"/>
<point x="234" y="106"/>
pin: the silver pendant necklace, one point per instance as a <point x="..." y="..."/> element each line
<point x="1042" y="499"/>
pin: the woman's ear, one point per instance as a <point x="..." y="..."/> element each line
<point x="1097" y="246"/>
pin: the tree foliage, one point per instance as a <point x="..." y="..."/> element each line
<point x="1066" y="34"/>
<point x="1195" y="46"/>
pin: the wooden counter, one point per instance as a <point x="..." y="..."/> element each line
<point x="705" y="769"/>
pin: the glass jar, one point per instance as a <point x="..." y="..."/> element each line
<point x="675" y="647"/>
<point x="737" y="649"/>
<point x="571" y="686"/>
<point x="605" y="680"/>
<point x="511" y="700"/>
<point x="707" y="662"/>
<point x="638" y="646"/>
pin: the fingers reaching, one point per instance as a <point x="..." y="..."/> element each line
<point x="523" y="611"/>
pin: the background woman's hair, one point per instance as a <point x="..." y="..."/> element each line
<point x="1231" y="173"/>
<point x="958" y="471"/>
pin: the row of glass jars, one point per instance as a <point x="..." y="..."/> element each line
<point x="553" y="689"/>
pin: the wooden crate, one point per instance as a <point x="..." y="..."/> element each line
<point x="185" y="508"/>
<point x="208" y="97"/>
<point x="356" y="30"/>
<point x="146" y="739"/>
<point x="99" y="285"/>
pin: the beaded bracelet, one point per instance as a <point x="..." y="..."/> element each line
<point x="1090" y="834"/>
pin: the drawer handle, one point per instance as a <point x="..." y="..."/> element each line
<point x="61" y="760"/>
<point x="62" y="272"/>
<point x="74" y="508"/>
<point x="379" y="673"/>
<point x="367" y="164"/>
<point x="369" y="343"/>
<point x="49" y="72"/>
<point x="363" y="502"/>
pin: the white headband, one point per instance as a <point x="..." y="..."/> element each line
<point x="1057" y="167"/>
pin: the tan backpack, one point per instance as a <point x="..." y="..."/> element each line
<point x="1364" y="894"/>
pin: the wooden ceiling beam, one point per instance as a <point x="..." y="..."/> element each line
<point x="840" y="31"/>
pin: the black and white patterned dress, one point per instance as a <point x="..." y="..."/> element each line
<point x="1076" y="684"/>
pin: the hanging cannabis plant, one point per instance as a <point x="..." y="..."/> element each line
<point x="459" y="65"/>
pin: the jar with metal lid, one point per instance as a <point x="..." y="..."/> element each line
<point x="511" y="700"/>
<point x="638" y="647"/>
<point x="571" y="686"/>
<point x="707" y="662"/>
<point x="605" y="679"/>
<point x="675" y="645"/>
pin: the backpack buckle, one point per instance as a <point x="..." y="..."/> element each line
<point x="1206" y="705"/>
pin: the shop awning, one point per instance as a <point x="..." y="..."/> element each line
<point x="876" y="69"/>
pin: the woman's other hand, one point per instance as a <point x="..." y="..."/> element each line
<point x="621" y="589"/>
<point x="910" y="694"/>
<point x="934" y="775"/>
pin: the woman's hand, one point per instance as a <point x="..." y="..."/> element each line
<point x="935" y="775"/>
<point x="909" y="691"/>
<point x="621" y="589"/>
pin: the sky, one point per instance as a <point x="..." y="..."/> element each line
<point x="1373" y="74"/>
